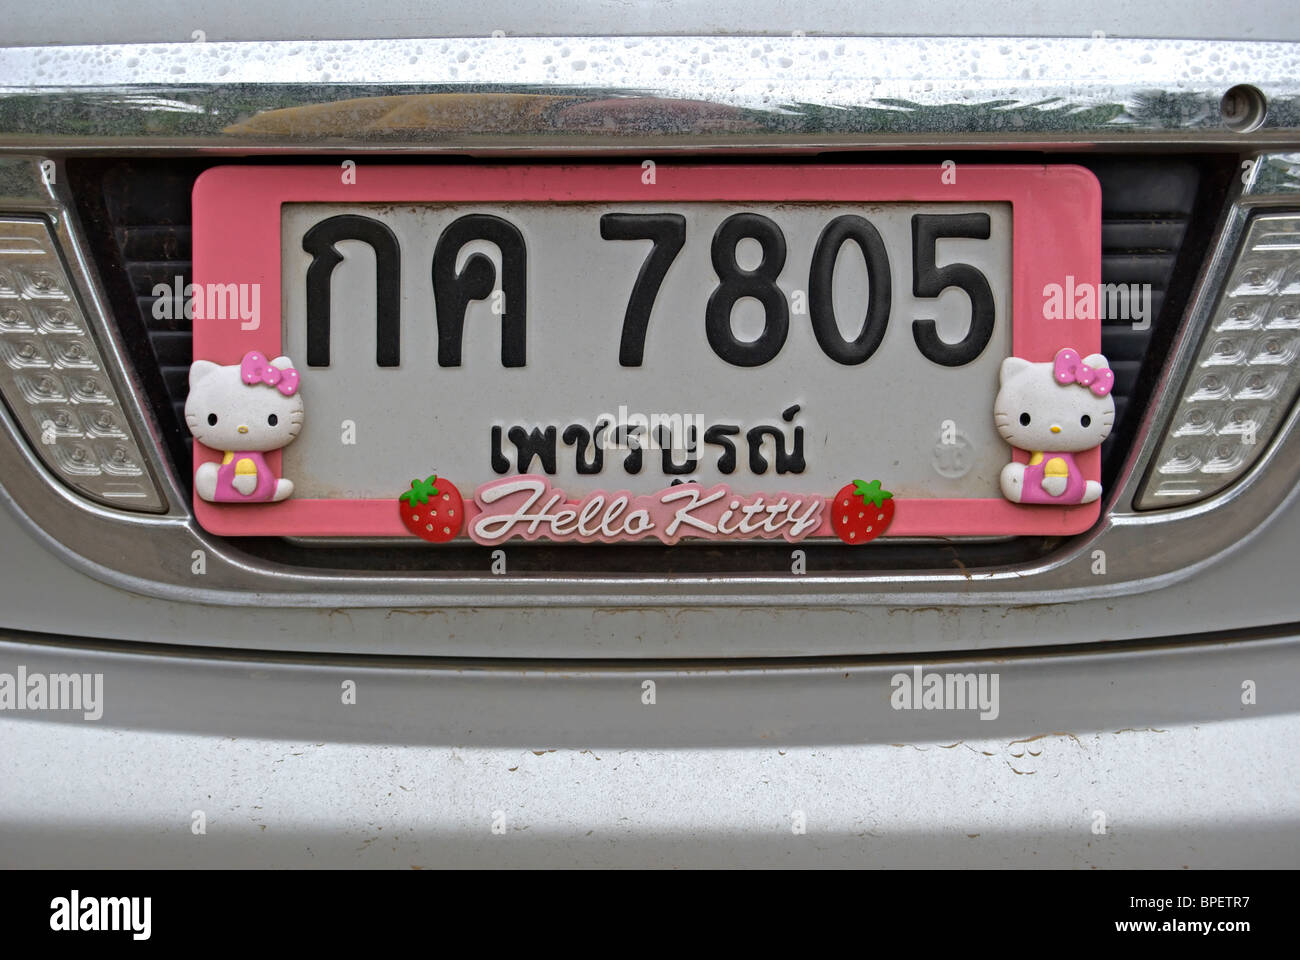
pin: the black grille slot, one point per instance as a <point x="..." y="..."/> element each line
<point x="151" y="229"/>
<point x="1147" y="209"/>
<point x="137" y="213"/>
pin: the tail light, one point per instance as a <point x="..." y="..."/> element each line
<point x="1245" y="377"/>
<point x="53" y="377"/>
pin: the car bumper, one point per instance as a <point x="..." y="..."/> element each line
<point x="1147" y="756"/>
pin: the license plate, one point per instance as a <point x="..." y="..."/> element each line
<point x="621" y="353"/>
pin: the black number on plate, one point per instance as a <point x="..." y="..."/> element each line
<point x="759" y="283"/>
<point x="668" y="231"/>
<point x="930" y="281"/>
<point x="821" y="290"/>
<point x="319" y="241"/>
<point x="452" y="291"/>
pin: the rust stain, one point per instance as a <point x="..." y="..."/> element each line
<point x="1140" y="730"/>
<point x="1040" y="736"/>
<point x="1031" y="608"/>
<point x="957" y="562"/>
<point x="415" y="612"/>
<point x="341" y="612"/>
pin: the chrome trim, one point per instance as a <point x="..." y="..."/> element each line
<point x="1170" y="393"/>
<point x="1145" y="551"/>
<point x="27" y="190"/>
<point x="641" y="94"/>
<point x="1269" y="182"/>
<point x="1275" y="176"/>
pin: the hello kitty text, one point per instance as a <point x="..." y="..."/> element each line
<point x="529" y="507"/>
<point x="1053" y="411"/>
<point x="244" y="410"/>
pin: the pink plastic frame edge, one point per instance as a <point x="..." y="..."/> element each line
<point x="1056" y="224"/>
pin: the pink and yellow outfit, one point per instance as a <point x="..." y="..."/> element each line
<point x="1048" y="464"/>
<point x="244" y="463"/>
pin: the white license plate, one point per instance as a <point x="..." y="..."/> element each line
<point x="595" y="354"/>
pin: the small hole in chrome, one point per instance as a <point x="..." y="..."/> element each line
<point x="1243" y="108"/>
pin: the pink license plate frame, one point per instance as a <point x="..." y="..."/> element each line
<point x="1056" y="224"/>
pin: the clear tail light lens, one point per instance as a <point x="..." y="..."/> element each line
<point x="53" y="378"/>
<point x="1246" y="375"/>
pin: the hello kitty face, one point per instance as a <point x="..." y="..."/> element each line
<point x="1064" y="406"/>
<point x="254" y="405"/>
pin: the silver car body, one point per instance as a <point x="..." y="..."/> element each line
<point x="666" y="720"/>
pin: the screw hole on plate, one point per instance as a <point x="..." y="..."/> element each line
<point x="1243" y="108"/>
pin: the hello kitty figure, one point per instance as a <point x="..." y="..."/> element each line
<point x="243" y="410"/>
<point x="1053" y="411"/>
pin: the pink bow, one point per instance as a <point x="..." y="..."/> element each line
<point x="1070" y="368"/>
<point x="255" y="368"/>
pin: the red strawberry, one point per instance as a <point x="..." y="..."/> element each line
<point x="432" y="509"/>
<point x="861" y="511"/>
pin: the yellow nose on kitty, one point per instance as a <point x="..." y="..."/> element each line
<point x="244" y="429"/>
<point x="1055" y="429"/>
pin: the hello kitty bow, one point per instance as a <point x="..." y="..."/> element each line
<point x="1070" y="368"/>
<point x="255" y="369"/>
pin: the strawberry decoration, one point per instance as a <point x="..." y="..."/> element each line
<point x="861" y="511"/>
<point x="432" y="509"/>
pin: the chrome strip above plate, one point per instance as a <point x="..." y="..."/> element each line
<point x="511" y="94"/>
